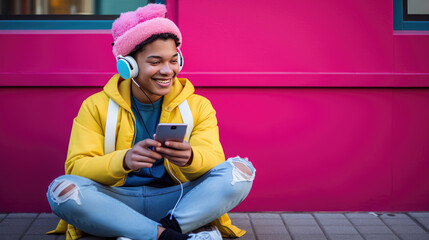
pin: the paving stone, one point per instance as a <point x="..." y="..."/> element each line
<point x="249" y="230"/>
<point x="61" y="237"/>
<point x="340" y="230"/>
<point x="41" y="226"/>
<point x="374" y="229"/>
<point x="267" y="221"/>
<point x="39" y="237"/>
<point x="367" y="221"/>
<point x="334" y="222"/>
<point x="264" y="215"/>
<point x="299" y="230"/>
<point x="9" y="237"/>
<point x="273" y="237"/>
<point x="424" y="222"/>
<point x="246" y="236"/>
<point x="95" y="238"/>
<point x="244" y="224"/>
<point x="14" y="226"/>
<point x="417" y="236"/>
<point x="238" y="215"/>
<point x="373" y="236"/>
<point x="345" y="237"/>
<point x="45" y="221"/>
<point x="360" y="215"/>
<point x="394" y="215"/>
<point x="398" y="229"/>
<point x="399" y="221"/>
<point x="329" y="215"/>
<point x="267" y="229"/>
<point x="297" y="216"/>
<point x="301" y="222"/>
<point x="48" y="215"/>
<point x="309" y="237"/>
<point x="22" y="215"/>
<point x="419" y="214"/>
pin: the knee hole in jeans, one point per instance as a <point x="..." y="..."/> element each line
<point x="243" y="168"/>
<point x="63" y="190"/>
<point x="241" y="172"/>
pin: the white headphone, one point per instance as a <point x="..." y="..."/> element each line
<point x="127" y="66"/>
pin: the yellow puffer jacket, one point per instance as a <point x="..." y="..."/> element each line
<point x="86" y="156"/>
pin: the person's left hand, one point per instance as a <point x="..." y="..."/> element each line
<point x="178" y="153"/>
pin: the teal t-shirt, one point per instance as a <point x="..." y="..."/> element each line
<point x="147" y="118"/>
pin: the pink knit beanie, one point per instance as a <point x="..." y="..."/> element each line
<point x="132" y="28"/>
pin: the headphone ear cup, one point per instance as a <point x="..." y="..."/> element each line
<point x="127" y="67"/>
<point x="134" y="65"/>
<point x="180" y="59"/>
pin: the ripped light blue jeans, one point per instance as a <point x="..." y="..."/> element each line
<point x="134" y="212"/>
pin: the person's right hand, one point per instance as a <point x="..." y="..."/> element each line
<point x="140" y="156"/>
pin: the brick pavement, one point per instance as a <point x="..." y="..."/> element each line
<point x="264" y="226"/>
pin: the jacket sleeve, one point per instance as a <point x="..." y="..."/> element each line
<point x="206" y="147"/>
<point x="85" y="155"/>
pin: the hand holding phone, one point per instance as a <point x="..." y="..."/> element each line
<point x="170" y="132"/>
<point x="141" y="155"/>
<point x="177" y="151"/>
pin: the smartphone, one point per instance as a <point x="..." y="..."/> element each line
<point x="170" y="131"/>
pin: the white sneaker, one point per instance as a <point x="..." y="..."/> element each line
<point x="123" y="238"/>
<point x="208" y="233"/>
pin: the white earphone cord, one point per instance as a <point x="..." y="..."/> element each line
<point x="181" y="190"/>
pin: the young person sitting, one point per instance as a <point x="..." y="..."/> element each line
<point x="139" y="188"/>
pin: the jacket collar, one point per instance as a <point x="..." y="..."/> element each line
<point x="182" y="88"/>
<point x="119" y="90"/>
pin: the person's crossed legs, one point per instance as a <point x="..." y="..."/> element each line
<point x="143" y="212"/>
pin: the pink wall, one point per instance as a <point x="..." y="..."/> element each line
<point x="316" y="43"/>
<point x="329" y="103"/>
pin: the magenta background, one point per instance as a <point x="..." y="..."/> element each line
<point x="329" y="103"/>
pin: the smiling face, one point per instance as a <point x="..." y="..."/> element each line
<point x="158" y="66"/>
